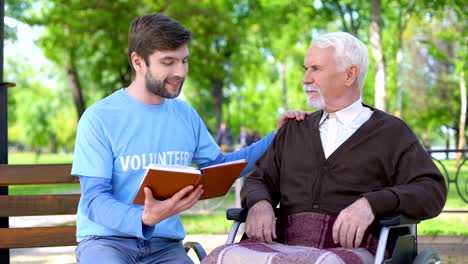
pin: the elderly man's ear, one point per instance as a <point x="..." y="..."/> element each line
<point x="351" y="75"/>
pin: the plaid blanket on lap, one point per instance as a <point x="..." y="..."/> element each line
<point x="302" y="238"/>
<point x="251" y="251"/>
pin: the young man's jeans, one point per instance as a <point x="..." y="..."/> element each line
<point x="131" y="250"/>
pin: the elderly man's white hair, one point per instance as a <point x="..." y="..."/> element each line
<point x="349" y="50"/>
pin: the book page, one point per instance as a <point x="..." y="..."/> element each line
<point x="218" y="179"/>
<point x="225" y="164"/>
<point x="164" y="181"/>
<point x="169" y="168"/>
<point x="187" y="169"/>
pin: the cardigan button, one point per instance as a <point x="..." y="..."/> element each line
<point x="315" y="206"/>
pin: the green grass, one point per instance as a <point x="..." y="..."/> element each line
<point x="216" y="223"/>
<point x="42" y="189"/>
<point x="45" y="158"/>
<point x="438" y="226"/>
<point x="453" y="199"/>
<point x="206" y="224"/>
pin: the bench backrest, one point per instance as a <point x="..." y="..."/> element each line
<point x="37" y="205"/>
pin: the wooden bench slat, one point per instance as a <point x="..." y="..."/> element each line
<point x="37" y="237"/>
<point x="37" y="205"/>
<point x="29" y="205"/>
<point x="36" y="174"/>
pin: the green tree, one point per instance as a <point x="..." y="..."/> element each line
<point x="87" y="40"/>
<point x="37" y="115"/>
<point x="246" y="56"/>
<point x="437" y="54"/>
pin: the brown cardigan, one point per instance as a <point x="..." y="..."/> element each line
<point x="382" y="161"/>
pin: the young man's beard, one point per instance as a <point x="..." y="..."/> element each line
<point x="158" y="87"/>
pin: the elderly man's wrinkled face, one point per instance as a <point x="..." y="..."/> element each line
<point x="323" y="82"/>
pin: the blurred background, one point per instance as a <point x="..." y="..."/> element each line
<point x="245" y="66"/>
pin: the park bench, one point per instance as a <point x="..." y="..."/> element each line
<point x="43" y="205"/>
<point x="37" y="205"/>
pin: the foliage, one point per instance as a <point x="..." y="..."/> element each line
<point x="91" y="36"/>
<point x="246" y="56"/>
<point x="435" y="43"/>
<point x="40" y="117"/>
<point x="14" y="9"/>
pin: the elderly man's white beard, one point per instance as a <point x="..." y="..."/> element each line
<point x="318" y="103"/>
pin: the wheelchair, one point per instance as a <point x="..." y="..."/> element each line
<point x="197" y="248"/>
<point x="403" y="228"/>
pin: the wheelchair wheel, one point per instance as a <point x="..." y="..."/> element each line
<point x="427" y="256"/>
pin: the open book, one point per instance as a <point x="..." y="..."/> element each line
<point x="164" y="181"/>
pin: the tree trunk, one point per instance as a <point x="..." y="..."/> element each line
<point x="447" y="142"/>
<point x="403" y="20"/>
<point x="461" y="131"/>
<point x="53" y="144"/>
<point x="349" y="22"/>
<point x="76" y="89"/>
<point x="217" y="92"/>
<point x="399" y="58"/>
<point x="376" y="45"/>
<point x="284" y="87"/>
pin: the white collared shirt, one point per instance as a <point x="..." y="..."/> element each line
<point x="348" y="120"/>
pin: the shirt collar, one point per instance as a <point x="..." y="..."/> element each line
<point x="346" y="115"/>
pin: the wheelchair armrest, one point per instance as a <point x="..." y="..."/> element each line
<point x="396" y="220"/>
<point x="240" y="215"/>
<point x="237" y="214"/>
<point x="199" y="250"/>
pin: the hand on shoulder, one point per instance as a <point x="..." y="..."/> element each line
<point x="298" y="115"/>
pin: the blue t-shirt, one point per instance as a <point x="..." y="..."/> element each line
<point x="117" y="138"/>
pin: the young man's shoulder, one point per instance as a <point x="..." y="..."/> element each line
<point x="113" y="99"/>
<point x="179" y="102"/>
<point x="181" y="105"/>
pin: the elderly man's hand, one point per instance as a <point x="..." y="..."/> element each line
<point x="352" y="223"/>
<point x="261" y="222"/>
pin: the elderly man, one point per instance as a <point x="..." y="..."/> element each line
<point x="344" y="166"/>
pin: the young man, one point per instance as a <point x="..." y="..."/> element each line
<point x="119" y="136"/>
<point x="337" y="171"/>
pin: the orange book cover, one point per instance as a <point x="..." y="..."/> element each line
<point x="164" y="181"/>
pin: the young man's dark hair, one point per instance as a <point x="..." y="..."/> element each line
<point x="155" y="32"/>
